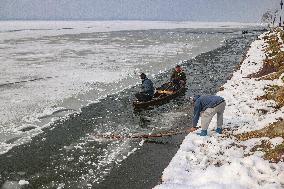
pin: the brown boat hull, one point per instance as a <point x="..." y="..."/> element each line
<point x="158" y="99"/>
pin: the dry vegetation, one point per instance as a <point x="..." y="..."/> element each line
<point x="276" y="93"/>
<point x="273" y="65"/>
<point x="273" y="68"/>
<point x="274" y="130"/>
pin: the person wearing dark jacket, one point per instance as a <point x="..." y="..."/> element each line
<point x="178" y="77"/>
<point x="207" y="107"/>
<point x="147" y="89"/>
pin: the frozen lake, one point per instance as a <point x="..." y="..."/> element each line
<point x="49" y="70"/>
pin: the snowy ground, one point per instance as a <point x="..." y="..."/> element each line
<point x="219" y="161"/>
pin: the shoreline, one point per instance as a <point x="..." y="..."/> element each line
<point x="141" y="169"/>
<point x="235" y="159"/>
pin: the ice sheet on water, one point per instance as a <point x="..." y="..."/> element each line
<point x="8" y="29"/>
<point x="47" y="69"/>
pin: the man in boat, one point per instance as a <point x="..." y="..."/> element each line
<point x="178" y="77"/>
<point x="147" y="89"/>
<point x="207" y="107"/>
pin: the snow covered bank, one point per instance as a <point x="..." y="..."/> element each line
<point x="222" y="161"/>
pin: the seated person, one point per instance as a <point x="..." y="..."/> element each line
<point x="178" y="77"/>
<point x="147" y="89"/>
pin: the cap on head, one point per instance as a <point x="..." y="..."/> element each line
<point x="142" y="76"/>
<point x="178" y="68"/>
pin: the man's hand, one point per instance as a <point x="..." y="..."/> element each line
<point x="191" y="129"/>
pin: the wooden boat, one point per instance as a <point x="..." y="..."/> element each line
<point x="160" y="97"/>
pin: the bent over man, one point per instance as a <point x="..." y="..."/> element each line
<point x="208" y="106"/>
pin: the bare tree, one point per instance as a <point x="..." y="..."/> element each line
<point x="269" y="17"/>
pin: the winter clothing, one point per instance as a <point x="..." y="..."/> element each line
<point x="147" y="90"/>
<point x="208" y="114"/>
<point x="209" y="106"/>
<point x="178" y="76"/>
<point x="147" y="87"/>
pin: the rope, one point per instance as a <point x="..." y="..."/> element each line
<point x="144" y="136"/>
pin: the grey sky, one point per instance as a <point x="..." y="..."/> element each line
<point x="187" y="10"/>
